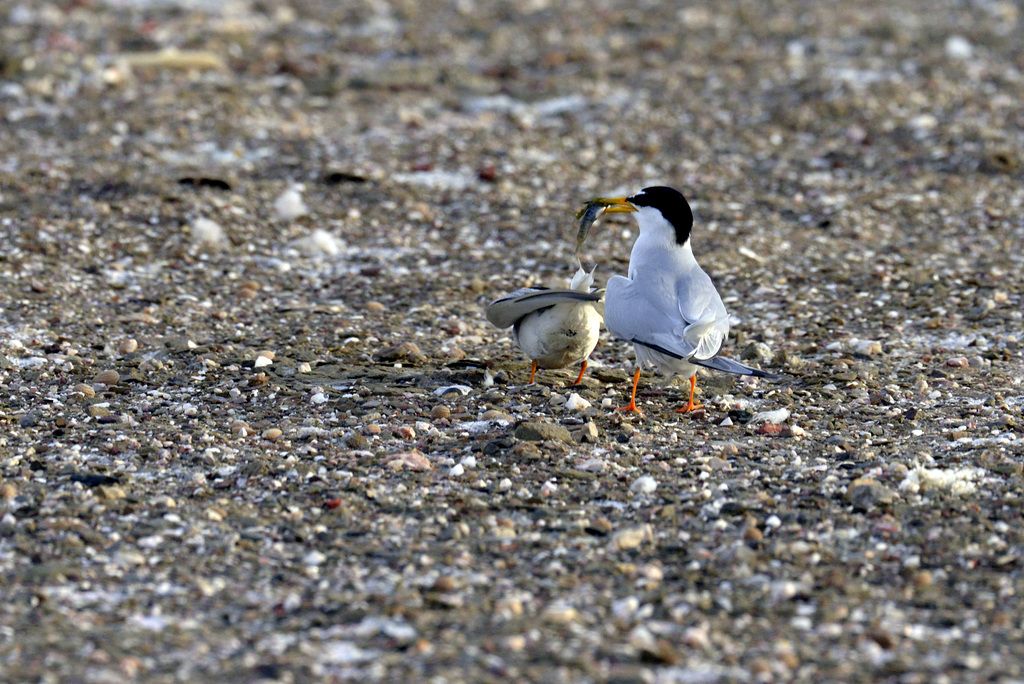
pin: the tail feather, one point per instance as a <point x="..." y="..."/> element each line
<point x="724" y="363"/>
<point x="719" y="363"/>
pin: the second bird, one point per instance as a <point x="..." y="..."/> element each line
<point x="667" y="306"/>
<point x="554" y="327"/>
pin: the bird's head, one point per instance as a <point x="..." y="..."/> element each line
<point x="658" y="209"/>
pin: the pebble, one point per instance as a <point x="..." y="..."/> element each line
<point x="957" y="362"/>
<point x="107" y="377"/>
<point x="576" y="403"/>
<point x="84" y="389"/>
<point x="98" y="411"/>
<point x="406" y="432"/>
<point x="645" y="484"/>
<point x="208" y="233"/>
<point x="866" y="494"/>
<point x="408" y="460"/>
<point x="631" y="537"/>
<point x="440" y="412"/>
<point x="289" y="205"/>
<point x="8" y="491"/>
<point x="588" y="434"/>
<point x="272" y="434"/>
<point x="128" y="346"/>
<point x="457" y="470"/>
<point x="540" y="432"/>
<point x="374" y="307"/>
<point x="110" y="492"/>
<point x="262" y="361"/>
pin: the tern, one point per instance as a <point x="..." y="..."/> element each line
<point x="666" y="306"/>
<point x="554" y="327"/>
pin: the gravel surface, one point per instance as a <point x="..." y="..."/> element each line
<point x="256" y="427"/>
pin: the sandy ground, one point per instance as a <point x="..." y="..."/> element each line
<point x="256" y="427"/>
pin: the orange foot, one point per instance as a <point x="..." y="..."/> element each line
<point x="533" y="371"/>
<point x="690" y="406"/>
<point x="631" y="406"/>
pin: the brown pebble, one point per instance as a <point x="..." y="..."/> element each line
<point x="98" y="411"/>
<point x="128" y="346"/>
<point x="84" y="389"/>
<point x="107" y="377"/>
<point x="406" y="432"/>
<point x="440" y="411"/>
<point x="372" y="429"/>
<point x="752" y="534"/>
<point x="272" y="434"/>
<point x="8" y="491"/>
<point x="374" y="307"/>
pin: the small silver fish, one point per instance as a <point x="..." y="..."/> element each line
<point x="587" y="215"/>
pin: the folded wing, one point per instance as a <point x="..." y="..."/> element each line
<point x="505" y="311"/>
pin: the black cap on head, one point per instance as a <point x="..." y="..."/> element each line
<point x="672" y="205"/>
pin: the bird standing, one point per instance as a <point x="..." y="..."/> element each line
<point x="667" y="306"/>
<point x="554" y="327"/>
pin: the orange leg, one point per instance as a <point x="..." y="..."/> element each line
<point x="533" y="371"/>
<point x="631" y="406"/>
<point x="583" y="367"/>
<point x="690" y="406"/>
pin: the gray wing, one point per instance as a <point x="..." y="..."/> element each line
<point x="505" y="311"/>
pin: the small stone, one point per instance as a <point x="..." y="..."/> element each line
<point x="84" y="389"/>
<point x="457" y="470"/>
<point x="588" y="434"/>
<point x="240" y="428"/>
<point x="541" y="432"/>
<point x="127" y="346"/>
<point x="304" y="367"/>
<point x="98" y="411"/>
<point x="631" y="538"/>
<point x="865" y="494"/>
<point x="406" y="432"/>
<point x="957" y="362"/>
<point x="404" y="352"/>
<point x="494" y="414"/>
<point x="576" y="403"/>
<point x="560" y="613"/>
<point x="30" y="419"/>
<point x="107" y="377"/>
<point x="374" y="307"/>
<point x="8" y="491"/>
<point x="262" y="361"/>
<point x="756" y="351"/>
<point x="208" y="233"/>
<point x="272" y="434"/>
<point x="440" y="412"/>
<point x="645" y="484"/>
<point x="289" y="205"/>
<point x="408" y="460"/>
<point x="958" y="47"/>
<point x="110" y="492"/>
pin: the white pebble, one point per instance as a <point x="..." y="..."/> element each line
<point x="958" y="47"/>
<point x="456" y="470"/>
<point x="772" y="521"/>
<point x="726" y="422"/>
<point x="645" y="484"/>
<point x="318" y="398"/>
<point x="469" y="461"/>
<point x="504" y="484"/>
<point x="289" y="205"/>
<point x="208" y="232"/>
<point x="606" y="402"/>
<point x="319" y="242"/>
<point x="488" y="380"/>
<point x="262" y="361"/>
<point x="576" y="403"/>
<point x="304" y="367"/>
